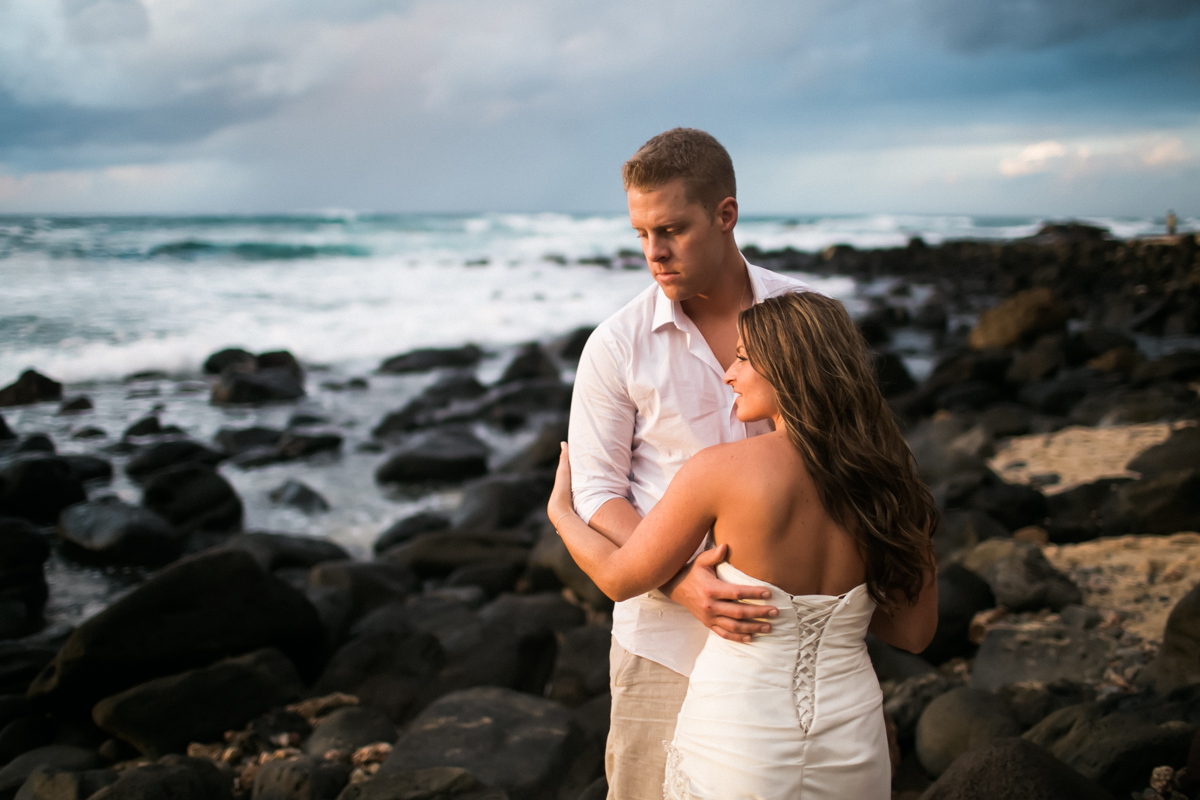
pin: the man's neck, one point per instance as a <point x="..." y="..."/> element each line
<point x="729" y="295"/>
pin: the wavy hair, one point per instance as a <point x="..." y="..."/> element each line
<point x="808" y="348"/>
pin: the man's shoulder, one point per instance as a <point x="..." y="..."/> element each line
<point x="777" y="283"/>
<point x="631" y="320"/>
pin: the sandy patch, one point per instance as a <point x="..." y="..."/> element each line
<point x="1141" y="576"/>
<point x="1077" y="455"/>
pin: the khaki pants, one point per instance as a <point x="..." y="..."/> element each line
<point x="646" y="697"/>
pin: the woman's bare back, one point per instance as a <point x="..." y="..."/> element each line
<point x="769" y="514"/>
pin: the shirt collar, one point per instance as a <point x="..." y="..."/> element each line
<point x="668" y="311"/>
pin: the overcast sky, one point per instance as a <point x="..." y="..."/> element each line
<point x="1054" y="107"/>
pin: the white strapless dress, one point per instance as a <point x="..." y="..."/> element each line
<point x="796" y="714"/>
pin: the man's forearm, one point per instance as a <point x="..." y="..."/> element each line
<point x="616" y="520"/>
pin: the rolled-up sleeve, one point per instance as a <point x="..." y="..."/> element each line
<point x="602" y="424"/>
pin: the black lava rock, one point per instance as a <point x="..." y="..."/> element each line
<point x="31" y="387"/>
<point x="109" y="531"/>
<point x="197" y="610"/>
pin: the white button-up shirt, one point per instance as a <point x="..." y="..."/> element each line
<point x="649" y="394"/>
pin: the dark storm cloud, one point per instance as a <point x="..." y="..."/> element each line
<point x="42" y="136"/>
<point x="975" y="25"/>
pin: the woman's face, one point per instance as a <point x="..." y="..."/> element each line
<point x="756" y="398"/>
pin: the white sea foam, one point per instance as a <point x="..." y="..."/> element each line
<point x="97" y="299"/>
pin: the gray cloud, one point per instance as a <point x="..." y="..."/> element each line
<point x="975" y="25"/>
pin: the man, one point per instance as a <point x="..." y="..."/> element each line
<point x="649" y="393"/>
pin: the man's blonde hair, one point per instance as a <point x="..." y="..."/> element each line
<point x="693" y="155"/>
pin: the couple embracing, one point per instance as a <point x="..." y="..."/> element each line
<point x="737" y="483"/>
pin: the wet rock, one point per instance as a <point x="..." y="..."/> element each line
<point x="501" y="501"/>
<point x="232" y="356"/>
<point x="1183" y="365"/>
<point x="529" y="363"/>
<point x="410" y="528"/>
<point x="146" y="426"/>
<point x="305" y="442"/>
<point x="369" y="584"/>
<point x="1057" y="397"/>
<point x="190" y="614"/>
<point x="426" y="359"/>
<point x="533" y="614"/>
<point x="275" y="384"/>
<point x="907" y="701"/>
<point x="173" y="776"/>
<point x="23" y="589"/>
<point x="1033" y="701"/>
<point x="891" y="373"/>
<point x="1019" y="318"/>
<point x="22" y="659"/>
<point x="348" y="729"/>
<point x="163" y="715"/>
<point x="6" y="432"/>
<point x="1122" y="360"/>
<point x="299" y="495"/>
<point x="110" y="531"/>
<point x="235" y="441"/>
<point x="334" y="607"/>
<point x="448" y="454"/>
<point x="280" y="359"/>
<point x="493" y="579"/>
<point x="171" y="453"/>
<point x="932" y="446"/>
<point x="891" y="664"/>
<point x="1113" y="747"/>
<point x="389" y="670"/>
<point x="1020" y="577"/>
<point x="1083" y="513"/>
<point x="24" y="734"/>
<point x="1014" y="505"/>
<point x="283" y="550"/>
<point x="1178" y="661"/>
<point x="570" y="346"/>
<point x="962" y="529"/>
<point x="513" y="741"/>
<point x="961" y="595"/>
<point x="1181" y="451"/>
<point x="49" y="783"/>
<point x="1166" y="503"/>
<point x="1018" y="650"/>
<point x="436" y="555"/>
<point x="510" y="406"/>
<point x="419" y="412"/>
<point x="958" y="720"/>
<point x="31" y="387"/>
<point x="1041" y="361"/>
<point x="581" y="669"/>
<point x="1012" y="769"/>
<point x="551" y="566"/>
<point x="90" y="468"/>
<point x="436" y="783"/>
<point x="76" y="404"/>
<point x="543" y="452"/>
<point x="89" y="432"/>
<point x="192" y="498"/>
<point x="38" y="487"/>
<point x="56" y="756"/>
<point x="303" y="778"/>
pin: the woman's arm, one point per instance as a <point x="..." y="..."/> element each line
<point x="909" y="626"/>
<point x="658" y="547"/>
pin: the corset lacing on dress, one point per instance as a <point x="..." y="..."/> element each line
<point x="813" y="613"/>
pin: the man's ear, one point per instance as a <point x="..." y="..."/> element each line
<point x="726" y="214"/>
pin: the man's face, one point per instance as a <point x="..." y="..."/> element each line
<point x="682" y="244"/>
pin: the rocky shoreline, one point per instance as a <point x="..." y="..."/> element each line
<point x="467" y="657"/>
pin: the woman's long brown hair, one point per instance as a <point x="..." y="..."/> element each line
<point x="808" y="348"/>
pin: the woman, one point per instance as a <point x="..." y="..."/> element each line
<point x="828" y="514"/>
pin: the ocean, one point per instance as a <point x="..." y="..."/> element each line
<point x="125" y="310"/>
